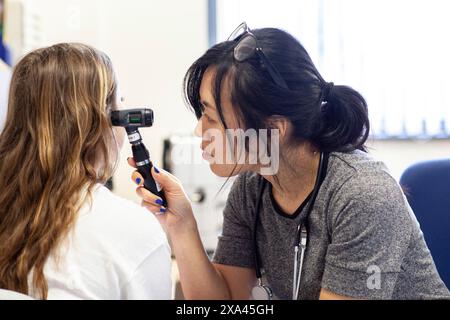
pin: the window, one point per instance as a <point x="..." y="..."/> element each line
<point x="396" y="53"/>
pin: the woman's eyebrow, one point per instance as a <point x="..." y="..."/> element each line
<point x="206" y="104"/>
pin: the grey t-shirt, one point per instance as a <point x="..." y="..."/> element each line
<point x="364" y="241"/>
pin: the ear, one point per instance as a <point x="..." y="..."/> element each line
<point x="281" y="123"/>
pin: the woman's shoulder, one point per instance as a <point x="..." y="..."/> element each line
<point x="121" y="223"/>
<point x="358" y="180"/>
<point x="110" y="246"/>
<point x="359" y="169"/>
<point x="356" y="161"/>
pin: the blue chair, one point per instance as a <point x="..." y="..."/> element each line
<point x="5" y="53"/>
<point x="427" y="188"/>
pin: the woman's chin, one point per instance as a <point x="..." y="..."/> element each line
<point x="225" y="170"/>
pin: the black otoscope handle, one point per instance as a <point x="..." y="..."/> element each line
<point x="144" y="165"/>
<point x="149" y="183"/>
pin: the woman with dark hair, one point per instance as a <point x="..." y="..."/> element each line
<point x="327" y="221"/>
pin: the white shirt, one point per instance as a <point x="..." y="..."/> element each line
<point x="5" y="75"/>
<point x="116" y="250"/>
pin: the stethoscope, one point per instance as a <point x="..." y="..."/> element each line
<point x="262" y="291"/>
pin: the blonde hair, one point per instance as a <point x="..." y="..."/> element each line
<point x="55" y="145"/>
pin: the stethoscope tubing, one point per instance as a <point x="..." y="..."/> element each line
<point x="301" y="237"/>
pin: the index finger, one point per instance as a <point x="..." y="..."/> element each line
<point x="131" y="162"/>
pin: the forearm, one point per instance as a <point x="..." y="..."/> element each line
<point x="199" y="278"/>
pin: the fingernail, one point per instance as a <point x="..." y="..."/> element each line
<point x="162" y="210"/>
<point x="138" y="180"/>
<point x="156" y="169"/>
<point x="158" y="201"/>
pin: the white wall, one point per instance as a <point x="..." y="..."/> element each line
<point x="398" y="155"/>
<point x="151" y="43"/>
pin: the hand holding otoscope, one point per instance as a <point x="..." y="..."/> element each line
<point x="180" y="218"/>
<point x="132" y="120"/>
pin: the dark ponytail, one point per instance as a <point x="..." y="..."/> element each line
<point x="334" y="118"/>
<point x="345" y="122"/>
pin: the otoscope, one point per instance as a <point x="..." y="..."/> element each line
<point x="132" y="120"/>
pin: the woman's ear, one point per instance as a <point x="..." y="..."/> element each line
<point x="282" y="124"/>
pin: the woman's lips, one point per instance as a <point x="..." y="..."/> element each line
<point x="207" y="156"/>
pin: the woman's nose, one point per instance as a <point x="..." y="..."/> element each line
<point x="198" y="129"/>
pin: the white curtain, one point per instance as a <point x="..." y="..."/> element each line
<point x="396" y="53"/>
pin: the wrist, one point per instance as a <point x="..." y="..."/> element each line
<point x="184" y="228"/>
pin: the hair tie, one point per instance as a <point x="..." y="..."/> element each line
<point x="327" y="91"/>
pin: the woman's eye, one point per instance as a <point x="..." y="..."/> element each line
<point x="208" y="118"/>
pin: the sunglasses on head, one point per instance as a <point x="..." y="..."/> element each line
<point x="247" y="46"/>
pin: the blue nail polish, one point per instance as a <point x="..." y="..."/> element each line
<point x="138" y="180"/>
<point x="158" y="201"/>
<point x="156" y="169"/>
<point x="162" y="210"/>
